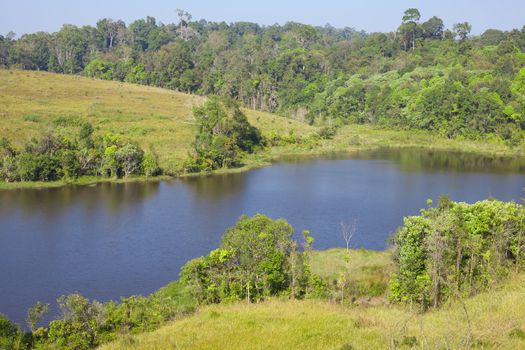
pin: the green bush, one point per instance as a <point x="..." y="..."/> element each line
<point x="257" y="258"/>
<point x="63" y="155"/>
<point x="9" y="333"/>
<point x="457" y="249"/>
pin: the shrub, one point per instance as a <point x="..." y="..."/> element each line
<point x="223" y="133"/>
<point x="456" y="249"/>
<point x="257" y="258"/>
<point x="61" y="155"/>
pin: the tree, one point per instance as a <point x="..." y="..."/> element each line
<point x="347" y="232"/>
<point x="409" y="26"/>
<point x="257" y="258"/>
<point x="433" y="28"/>
<point x="185" y="31"/>
<point x="69" y="46"/>
<point x="110" y="31"/>
<point x="222" y="132"/>
<point x="129" y="158"/>
<point x="462" y="30"/>
<point x="456" y="249"/>
<point x="35" y="313"/>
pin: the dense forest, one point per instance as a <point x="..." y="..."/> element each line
<point x="422" y="75"/>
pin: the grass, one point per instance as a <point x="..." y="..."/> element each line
<point x="161" y="120"/>
<point x="32" y="101"/>
<point x="492" y="320"/>
<point x="368" y="271"/>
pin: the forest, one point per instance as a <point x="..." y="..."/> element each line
<point x="421" y="76"/>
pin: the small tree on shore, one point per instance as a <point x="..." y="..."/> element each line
<point x="347" y="232"/>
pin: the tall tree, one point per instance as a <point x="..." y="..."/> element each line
<point x="462" y="30"/>
<point x="409" y="27"/>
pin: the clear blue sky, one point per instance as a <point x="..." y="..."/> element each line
<point x="26" y="16"/>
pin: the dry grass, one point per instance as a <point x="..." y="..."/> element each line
<point x="158" y="118"/>
<point x="493" y="320"/>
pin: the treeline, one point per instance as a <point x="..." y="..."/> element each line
<point x="423" y="75"/>
<point x="62" y="154"/>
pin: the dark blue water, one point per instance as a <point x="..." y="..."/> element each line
<point x="114" y="240"/>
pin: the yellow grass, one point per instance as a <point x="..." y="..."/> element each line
<point x="158" y="118"/>
<point x="493" y="320"/>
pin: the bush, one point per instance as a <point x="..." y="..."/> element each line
<point x="8" y="333"/>
<point x="456" y="249"/>
<point x="60" y="155"/>
<point x="223" y="133"/>
<point x="327" y="132"/>
<point x="257" y="258"/>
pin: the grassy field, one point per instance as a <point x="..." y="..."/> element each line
<point x="492" y="320"/>
<point x="160" y="119"/>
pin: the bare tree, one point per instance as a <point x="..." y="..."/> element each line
<point x="347" y="232"/>
<point x="184" y="19"/>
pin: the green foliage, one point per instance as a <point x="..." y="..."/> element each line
<point x="419" y="77"/>
<point x="85" y="324"/>
<point x="257" y="259"/>
<point x="222" y="133"/>
<point x="35" y="313"/>
<point x="9" y="333"/>
<point x="65" y="155"/>
<point x="457" y="249"/>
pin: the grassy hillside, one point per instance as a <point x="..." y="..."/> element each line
<point x="488" y="321"/>
<point x="159" y="118"/>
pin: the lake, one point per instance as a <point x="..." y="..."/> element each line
<point x="112" y="240"/>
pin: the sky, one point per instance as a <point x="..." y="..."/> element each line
<point x="27" y="16"/>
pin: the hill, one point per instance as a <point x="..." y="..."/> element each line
<point x="488" y="321"/>
<point x="30" y="101"/>
<point x="161" y="120"/>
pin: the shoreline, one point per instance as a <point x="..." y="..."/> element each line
<point x="342" y="145"/>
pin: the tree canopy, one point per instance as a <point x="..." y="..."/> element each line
<point x="316" y="74"/>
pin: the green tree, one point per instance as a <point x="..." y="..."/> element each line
<point x="462" y="30"/>
<point x="222" y="132"/>
<point x="34" y="315"/>
<point x="409" y="27"/>
<point x="257" y="258"/>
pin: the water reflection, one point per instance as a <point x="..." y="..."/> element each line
<point x="215" y="187"/>
<point x="417" y="160"/>
<point x="51" y="202"/>
<point x="412" y="160"/>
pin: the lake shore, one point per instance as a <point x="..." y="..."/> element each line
<point x="348" y="141"/>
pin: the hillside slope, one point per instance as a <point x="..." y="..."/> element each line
<point x="160" y="119"/>
<point x="488" y="321"/>
<point x="30" y="101"/>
